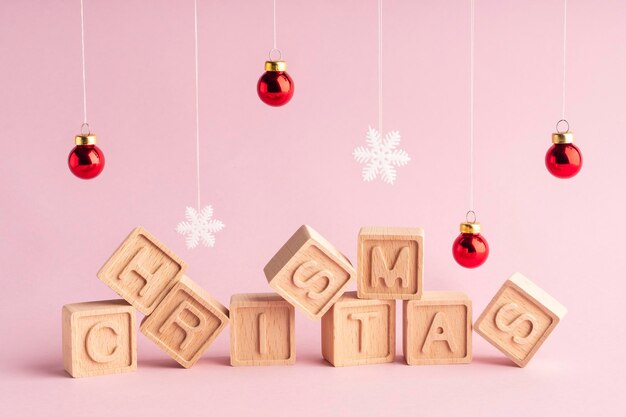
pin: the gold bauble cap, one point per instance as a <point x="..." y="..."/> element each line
<point x="275" y="66"/>
<point x="560" y="138"/>
<point x="472" y="228"/>
<point x="88" y="139"/>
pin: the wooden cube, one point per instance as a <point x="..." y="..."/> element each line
<point x="519" y="319"/>
<point x="438" y="329"/>
<point x="262" y="330"/>
<point x="359" y="332"/>
<point x="390" y="263"/>
<point x="142" y="270"/>
<point x="309" y="272"/>
<point x="186" y="322"/>
<point x="99" y="338"/>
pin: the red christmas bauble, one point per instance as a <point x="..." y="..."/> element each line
<point x="470" y="249"/>
<point x="275" y="87"/>
<point x="86" y="160"/>
<point x="564" y="160"/>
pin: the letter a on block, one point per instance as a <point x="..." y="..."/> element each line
<point x="186" y="322"/>
<point x="99" y="338"/>
<point x="519" y="318"/>
<point x="142" y="270"/>
<point x="390" y="263"/>
<point x="359" y="332"/>
<point x="309" y="272"/>
<point x="438" y="329"/>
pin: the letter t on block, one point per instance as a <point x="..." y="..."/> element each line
<point x="309" y="272"/>
<point x="142" y="270"/>
<point x="390" y="263"/>
<point x="519" y="319"/>
<point x="359" y="332"/>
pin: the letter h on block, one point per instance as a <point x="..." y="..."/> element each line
<point x="309" y="272"/>
<point x="262" y="330"/>
<point x="438" y="329"/>
<point x="142" y="270"/>
<point x="519" y="319"/>
<point x="359" y="332"/>
<point x="390" y="263"/>
<point x="186" y="322"/>
<point x="99" y="338"/>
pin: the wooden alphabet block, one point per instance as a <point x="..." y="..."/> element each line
<point x="262" y="330"/>
<point x="186" y="322"/>
<point x="390" y="263"/>
<point x="519" y="319"/>
<point x="309" y="272"/>
<point x="438" y="329"/>
<point x="359" y="332"/>
<point x="142" y="270"/>
<point x="99" y="338"/>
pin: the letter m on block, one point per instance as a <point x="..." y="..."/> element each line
<point x="396" y="268"/>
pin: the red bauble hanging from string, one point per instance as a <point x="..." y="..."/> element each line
<point x="563" y="159"/>
<point x="470" y="249"/>
<point x="86" y="160"/>
<point x="275" y="87"/>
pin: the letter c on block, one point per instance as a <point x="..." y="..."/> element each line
<point x="94" y="349"/>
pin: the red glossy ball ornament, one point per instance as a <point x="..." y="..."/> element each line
<point x="275" y="87"/>
<point x="470" y="249"/>
<point x="563" y="159"/>
<point x="86" y="160"/>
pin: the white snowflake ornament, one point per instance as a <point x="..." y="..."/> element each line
<point x="381" y="156"/>
<point x="199" y="227"/>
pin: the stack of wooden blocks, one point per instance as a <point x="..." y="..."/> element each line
<point x="308" y="272"/>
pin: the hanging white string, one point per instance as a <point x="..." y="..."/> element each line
<point x="82" y="48"/>
<point x="274" y="19"/>
<point x="380" y="66"/>
<point x="564" y="55"/>
<point x="195" y="28"/>
<point x="471" y="190"/>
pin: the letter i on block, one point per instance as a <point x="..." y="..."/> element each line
<point x="309" y="272"/>
<point x="262" y="330"/>
<point x="186" y="322"/>
<point x="438" y="329"/>
<point x="359" y="332"/>
<point x="99" y="338"/>
<point x="142" y="270"/>
<point x="519" y="319"/>
<point x="390" y="263"/>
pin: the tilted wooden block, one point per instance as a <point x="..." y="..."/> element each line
<point x="262" y="330"/>
<point x="186" y="322"/>
<point x="359" y="332"/>
<point x="309" y="272"/>
<point x="390" y="262"/>
<point x="142" y="270"/>
<point x="99" y="338"/>
<point x="519" y="319"/>
<point x="438" y="329"/>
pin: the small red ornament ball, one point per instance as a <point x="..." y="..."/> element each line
<point x="470" y="249"/>
<point x="564" y="160"/>
<point x="275" y="87"/>
<point x="86" y="160"/>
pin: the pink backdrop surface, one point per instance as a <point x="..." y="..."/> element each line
<point x="268" y="170"/>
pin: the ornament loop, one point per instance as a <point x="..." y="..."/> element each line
<point x="280" y="54"/>
<point x="559" y="123"/>
<point x="473" y="216"/>
<point x="82" y="129"/>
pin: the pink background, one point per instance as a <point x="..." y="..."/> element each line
<point x="268" y="170"/>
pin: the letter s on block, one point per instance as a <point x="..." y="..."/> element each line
<point x="517" y="322"/>
<point x="307" y="283"/>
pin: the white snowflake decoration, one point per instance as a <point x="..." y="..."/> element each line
<point x="381" y="156"/>
<point x="199" y="227"/>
